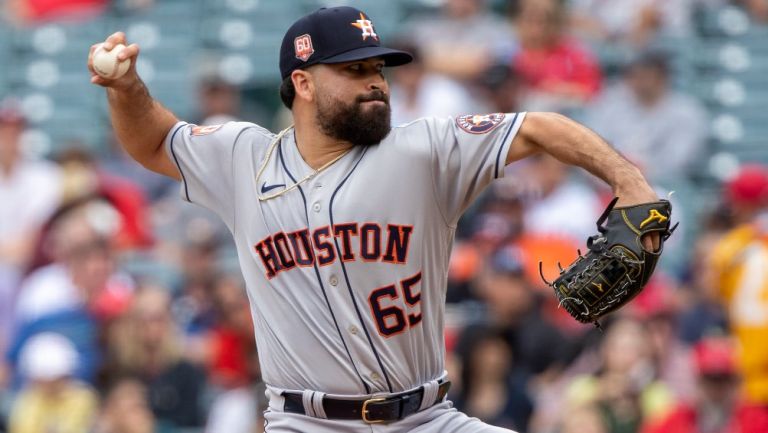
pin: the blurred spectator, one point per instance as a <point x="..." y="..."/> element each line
<point x="559" y="72"/>
<point x="218" y="102"/>
<point x="661" y="130"/>
<point x="497" y="221"/>
<point x="234" y="411"/>
<point x="757" y="8"/>
<point x="717" y="407"/>
<point x="126" y="409"/>
<point x="583" y="419"/>
<point x="632" y="22"/>
<point x="490" y="389"/>
<point x="78" y="292"/>
<point x="119" y="164"/>
<point x="740" y="264"/>
<point x="704" y="313"/>
<point x="146" y="345"/>
<point x="78" y="325"/>
<point x="502" y="88"/>
<point x="52" y="401"/>
<point x="193" y="305"/>
<point x="515" y="308"/>
<point x="83" y="177"/>
<point x="626" y="387"/>
<point x="8" y="285"/>
<point x="233" y="363"/>
<point x="30" y="11"/>
<point x="554" y="189"/>
<point x="189" y="239"/>
<point x="83" y="272"/>
<point x="462" y="40"/>
<point x="670" y="354"/>
<point x="416" y="92"/>
<point x="29" y="190"/>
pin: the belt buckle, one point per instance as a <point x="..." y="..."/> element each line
<point x="365" y="411"/>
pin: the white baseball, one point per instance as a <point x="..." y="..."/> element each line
<point x="106" y="64"/>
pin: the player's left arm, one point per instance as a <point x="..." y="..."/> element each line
<point x="577" y="145"/>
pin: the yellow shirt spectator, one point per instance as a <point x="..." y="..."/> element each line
<point x="740" y="261"/>
<point x="54" y="407"/>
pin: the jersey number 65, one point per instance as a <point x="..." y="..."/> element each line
<point x="392" y="319"/>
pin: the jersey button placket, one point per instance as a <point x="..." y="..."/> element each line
<point x="316" y="206"/>
<point x="333" y="280"/>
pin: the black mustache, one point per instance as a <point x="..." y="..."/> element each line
<point x="376" y="95"/>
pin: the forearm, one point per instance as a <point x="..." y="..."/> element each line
<point x="141" y="125"/>
<point x="577" y="145"/>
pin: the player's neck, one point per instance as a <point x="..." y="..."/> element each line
<point x="316" y="148"/>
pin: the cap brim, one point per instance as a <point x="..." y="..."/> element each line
<point x="391" y="57"/>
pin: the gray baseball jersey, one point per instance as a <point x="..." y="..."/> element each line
<point x="346" y="274"/>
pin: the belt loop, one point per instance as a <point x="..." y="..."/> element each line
<point x="430" y="394"/>
<point x="306" y="400"/>
<point x="276" y="398"/>
<point x="317" y="404"/>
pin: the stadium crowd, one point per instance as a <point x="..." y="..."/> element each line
<point x="123" y="310"/>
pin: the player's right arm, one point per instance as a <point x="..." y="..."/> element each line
<point x="141" y="123"/>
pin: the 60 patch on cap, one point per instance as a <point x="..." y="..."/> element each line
<point x="303" y="47"/>
<point x="479" y="123"/>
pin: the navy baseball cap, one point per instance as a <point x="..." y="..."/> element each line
<point x="334" y="35"/>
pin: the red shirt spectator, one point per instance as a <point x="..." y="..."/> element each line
<point x="559" y="72"/>
<point x="566" y="66"/>
<point x="688" y="419"/>
<point x="42" y="10"/>
<point x="718" y="408"/>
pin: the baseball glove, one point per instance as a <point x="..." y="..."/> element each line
<point x="616" y="267"/>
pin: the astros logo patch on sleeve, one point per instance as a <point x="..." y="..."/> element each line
<point x="479" y="123"/>
<point x="205" y="130"/>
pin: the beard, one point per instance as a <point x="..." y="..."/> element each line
<point x="352" y="122"/>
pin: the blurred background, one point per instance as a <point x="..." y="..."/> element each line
<point x="122" y="309"/>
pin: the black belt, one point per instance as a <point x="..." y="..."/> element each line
<point x="373" y="410"/>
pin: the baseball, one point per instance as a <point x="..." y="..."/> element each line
<point x="106" y="64"/>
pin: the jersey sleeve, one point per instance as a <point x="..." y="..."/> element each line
<point x="467" y="153"/>
<point x="204" y="157"/>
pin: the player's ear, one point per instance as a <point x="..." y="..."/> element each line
<point x="302" y="82"/>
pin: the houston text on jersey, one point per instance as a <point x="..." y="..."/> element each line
<point x="285" y="251"/>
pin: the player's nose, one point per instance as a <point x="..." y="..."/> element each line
<point x="378" y="82"/>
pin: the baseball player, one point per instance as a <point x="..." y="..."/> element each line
<point x="344" y="225"/>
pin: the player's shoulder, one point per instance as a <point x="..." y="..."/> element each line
<point x="423" y="123"/>
<point x="229" y="132"/>
<point x="471" y="124"/>
<point x="228" y="127"/>
<point x="420" y="129"/>
<point x="417" y="135"/>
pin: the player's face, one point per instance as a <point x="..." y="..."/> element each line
<point x="353" y="101"/>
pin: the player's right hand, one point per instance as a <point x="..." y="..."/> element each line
<point x="130" y="52"/>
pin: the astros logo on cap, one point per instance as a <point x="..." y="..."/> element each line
<point x="303" y="47"/>
<point x="366" y="26"/>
